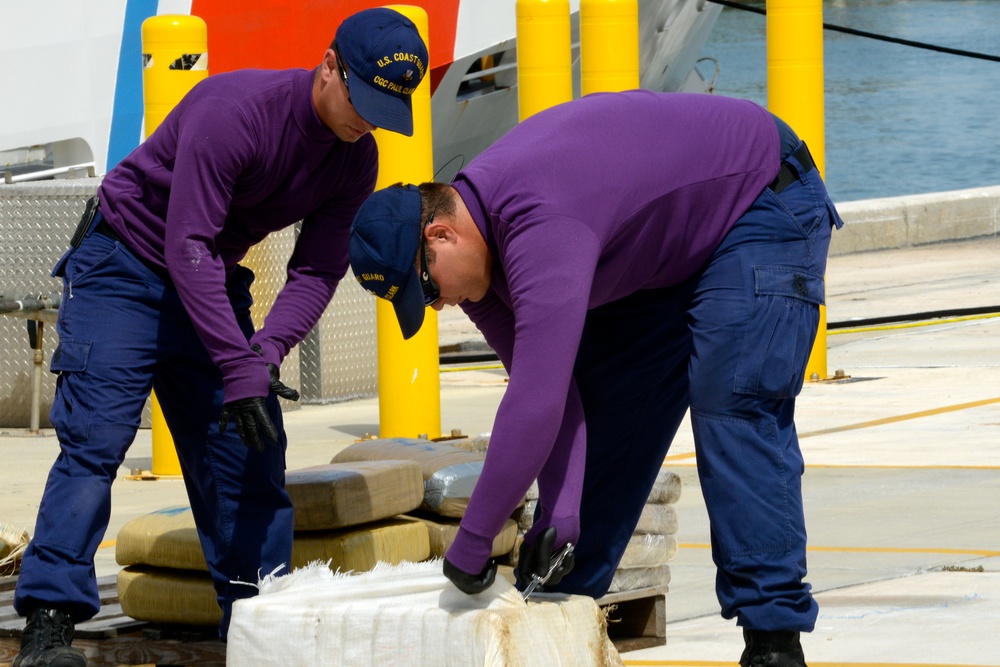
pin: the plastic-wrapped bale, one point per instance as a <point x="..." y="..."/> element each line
<point x="13" y="543"/>
<point x="411" y="616"/>
<point x="635" y="578"/>
<point x="645" y="563"/>
<point x="657" y="520"/>
<point x="337" y="495"/>
<point x="649" y="551"/>
<point x="161" y="595"/>
<point x="526" y="518"/>
<point x="442" y="531"/>
<point x="450" y="474"/>
<point x="666" y="489"/>
<point x="168" y="539"/>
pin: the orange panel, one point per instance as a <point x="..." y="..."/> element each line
<point x="277" y="34"/>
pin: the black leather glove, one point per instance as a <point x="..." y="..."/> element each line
<point x="471" y="583"/>
<point x="538" y="558"/>
<point x="250" y="415"/>
<point x="277" y="386"/>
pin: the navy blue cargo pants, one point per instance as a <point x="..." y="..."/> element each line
<point x="732" y="345"/>
<point x="122" y="331"/>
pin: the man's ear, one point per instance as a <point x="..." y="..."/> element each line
<point x="441" y="230"/>
<point x="329" y="65"/>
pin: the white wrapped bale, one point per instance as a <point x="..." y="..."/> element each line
<point x="411" y="616"/>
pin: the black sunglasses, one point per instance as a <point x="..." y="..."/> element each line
<point x="343" y="72"/>
<point x="431" y="291"/>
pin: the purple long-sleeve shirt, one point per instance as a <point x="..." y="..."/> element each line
<point x="581" y="205"/>
<point x="244" y="154"/>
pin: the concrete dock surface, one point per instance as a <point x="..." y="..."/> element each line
<point x="902" y="482"/>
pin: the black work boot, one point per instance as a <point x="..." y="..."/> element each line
<point x="46" y="641"/>
<point x="770" y="649"/>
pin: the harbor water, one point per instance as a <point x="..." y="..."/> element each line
<point x="900" y="120"/>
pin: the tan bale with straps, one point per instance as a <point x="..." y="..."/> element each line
<point x="337" y="495"/>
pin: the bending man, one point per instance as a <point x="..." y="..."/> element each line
<point x="155" y="298"/>
<point x="630" y="256"/>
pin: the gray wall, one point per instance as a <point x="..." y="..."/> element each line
<point x="338" y="361"/>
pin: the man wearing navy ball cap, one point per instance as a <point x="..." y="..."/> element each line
<point x="632" y="258"/>
<point x="156" y="298"/>
<point x="383" y="65"/>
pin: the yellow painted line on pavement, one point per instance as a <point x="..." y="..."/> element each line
<point x="812" y="663"/>
<point x="900" y="466"/>
<point x="986" y="553"/>
<point x="107" y="543"/>
<point x="688" y="460"/>
<point x="676" y="458"/>
<point x="900" y="418"/>
<point x="912" y="325"/>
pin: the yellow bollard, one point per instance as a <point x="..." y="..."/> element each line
<point x="409" y="375"/>
<point x="795" y="94"/>
<point x="609" y="45"/>
<point x="544" y="55"/>
<point x="174" y="59"/>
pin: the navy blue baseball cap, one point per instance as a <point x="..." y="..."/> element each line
<point x="386" y="60"/>
<point x="385" y="237"/>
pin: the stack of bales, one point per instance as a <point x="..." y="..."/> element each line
<point x="449" y="473"/>
<point x="390" y="501"/>
<point x="645" y="563"/>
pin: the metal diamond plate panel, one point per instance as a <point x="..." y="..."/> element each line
<point x="337" y="361"/>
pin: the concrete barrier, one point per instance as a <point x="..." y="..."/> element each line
<point x="913" y="220"/>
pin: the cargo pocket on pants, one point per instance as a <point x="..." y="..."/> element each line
<point x="780" y="333"/>
<point x="71" y="405"/>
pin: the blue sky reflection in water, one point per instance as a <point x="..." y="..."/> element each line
<point x="899" y="120"/>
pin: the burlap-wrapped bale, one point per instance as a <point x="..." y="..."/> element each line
<point x="162" y="595"/>
<point x="358" y="549"/>
<point x="337" y="495"/>
<point x="164" y="538"/>
<point x="412" y="616"/>
<point x="442" y="531"/>
<point x="450" y="474"/>
<point x="168" y="539"/>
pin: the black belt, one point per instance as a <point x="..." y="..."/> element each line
<point x="788" y="173"/>
<point x="104" y="229"/>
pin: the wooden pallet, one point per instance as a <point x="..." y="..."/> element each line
<point x="111" y="638"/>
<point x="636" y="620"/>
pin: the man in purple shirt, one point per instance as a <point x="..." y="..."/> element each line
<point x="155" y="298"/>
<point x="630" y="256"/>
